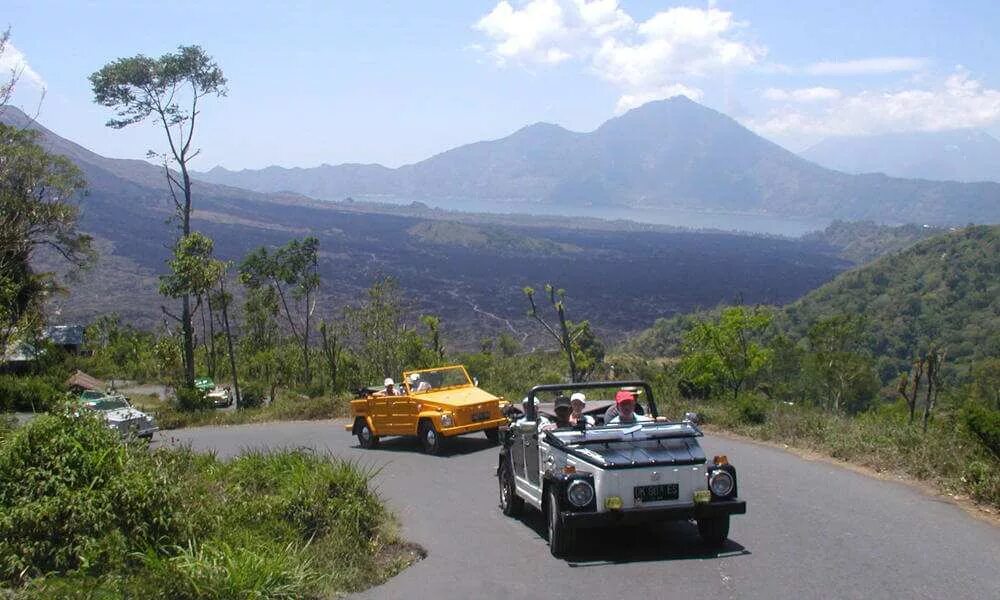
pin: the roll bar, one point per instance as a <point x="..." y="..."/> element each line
<point x="531" y="415"/>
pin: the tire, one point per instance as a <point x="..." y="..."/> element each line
<point x="511" y="504"/>
<point x="431" y="441"/>
<point x="493" y="435"/>
<point x="714" y="531"/>
<point x="366" y="439"/>
<point x="561" y="537"/>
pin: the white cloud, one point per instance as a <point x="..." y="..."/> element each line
<point x="647" y="60"/>
<point x="13" y="61"/>
<point x="957" y="102"/>
<point x="812" y="94"/>
<point x="867" y="66"/>
<point x="629" y="101"/>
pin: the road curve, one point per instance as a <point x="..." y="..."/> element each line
<point x="812" y="530"/>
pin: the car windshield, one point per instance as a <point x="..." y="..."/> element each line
<point x="447" y="377"/>
<point x="109" y="403"/>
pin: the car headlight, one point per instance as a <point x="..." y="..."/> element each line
<point x="580" y="493"/>
<point x="447" y="420"/>
<point x="721" y="483"/>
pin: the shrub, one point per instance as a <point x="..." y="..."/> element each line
<point x="28" y="394"/>
<point x="74" y="497"/>
<point x="190" y="399"/>
<point x="984" y="423"/>
<point x="752" y="410"/>
<point x="251" y="396"/>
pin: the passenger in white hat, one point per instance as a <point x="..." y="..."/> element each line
<point x="578" y="402"/>
<point x="390" y="387"/>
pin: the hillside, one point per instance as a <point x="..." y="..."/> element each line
<point x="469" y="269"/>
<point x="943" y="291"/>
<point x="955" y="155"/>
<point x="863" y="241"/>
<point x="673" y="154"/>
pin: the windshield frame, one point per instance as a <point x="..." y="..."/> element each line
<point x="531" y="413"/>
<point x="96" y="404"/>
<point x="468" y="380"/>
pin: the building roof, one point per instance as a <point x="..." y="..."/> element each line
<point x="84" y="381"/>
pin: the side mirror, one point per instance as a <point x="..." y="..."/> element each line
<point x="475" y="381"/>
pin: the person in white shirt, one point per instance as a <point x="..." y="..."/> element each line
<point x="578" y="402"/>
<point x="390" y="388"/>
<point x="625" y="401"/>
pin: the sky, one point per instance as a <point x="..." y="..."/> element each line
<point x="394" y="82"/>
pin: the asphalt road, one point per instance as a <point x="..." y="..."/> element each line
<point x="812" y="530"/>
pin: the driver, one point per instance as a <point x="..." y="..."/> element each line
<point x="625" y="401"/>
<point x="417" y="384"/>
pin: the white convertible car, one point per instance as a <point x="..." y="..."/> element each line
<point x="608" y="474"/>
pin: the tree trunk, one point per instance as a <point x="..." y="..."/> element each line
<point x="211" y="337"/>
<point x="186" y="325"/>
<point x="229" y="342"/>
<point x="188" y="330"/>
<point x="305" y="344"/>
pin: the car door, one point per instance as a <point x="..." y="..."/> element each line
<point x="517" y="450"/>
<point x="381" y="413"/>
<point x="404" y="415"/>
<point x="531" y="458"/>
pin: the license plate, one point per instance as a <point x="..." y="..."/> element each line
<point x="480" y="416"/>
<point x="656" y="493"/>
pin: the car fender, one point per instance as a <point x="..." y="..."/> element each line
<point x="368" y="420"/>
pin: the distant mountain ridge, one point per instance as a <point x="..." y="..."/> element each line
<point x="667" y="154"/>
<point x="957" y="155"/>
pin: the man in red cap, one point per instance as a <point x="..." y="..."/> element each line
<point x="625" y="401"/>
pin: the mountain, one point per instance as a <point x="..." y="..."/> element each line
<point x="667" y="154"/>
<point x="942" y="291"/>
<point x="956" y="155"/>
<point x="470" y="269"/>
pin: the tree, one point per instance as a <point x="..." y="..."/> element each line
<point x="840" y="364"/>
<point x="291" y="271"/>
<point x="36" y="189"/>
<point x="433" y="325"/>
<point x="379" y="323"/>
<point x="223" y="299"/>
<point x="725" y="353"/>
<point x="583" y="351"/>
<point x="193" y="273"/>
<point x="167" y="89"/>
<point x="332" y="336"/>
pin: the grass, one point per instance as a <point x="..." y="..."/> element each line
<point x="84" y="516"/>
<point x="947" y="456"/>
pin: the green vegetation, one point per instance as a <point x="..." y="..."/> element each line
<point x="863" y="241"/>
<point x="82" y="515"/>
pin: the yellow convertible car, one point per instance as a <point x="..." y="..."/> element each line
<point x="432" y="404"/>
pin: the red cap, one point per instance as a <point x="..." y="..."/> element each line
<point x="624" y="396"/>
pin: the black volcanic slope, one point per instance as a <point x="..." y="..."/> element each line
<point x="471" y="273"/>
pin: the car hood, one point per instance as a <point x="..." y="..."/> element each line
<point x="124" y="414"/>
<point x="467" y="396"/>
<point x="683" y="451"/>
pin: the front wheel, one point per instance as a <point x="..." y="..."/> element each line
<point x="430" y="440"/>
<point x="714" y="531"/>
<point x="493" y="435"/>
<point x="560" y="536"/>
<point x="366" y="438"/>
<point x="510" y="503"/>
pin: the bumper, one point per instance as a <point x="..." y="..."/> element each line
<point x="480" y="426"/>
<point x="638" y="516"/>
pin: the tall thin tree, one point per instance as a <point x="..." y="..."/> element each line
<point x="168" y="89"/>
